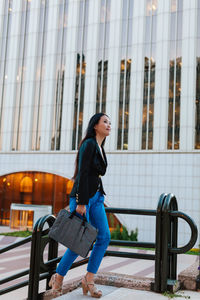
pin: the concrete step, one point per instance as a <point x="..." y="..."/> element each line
<point x="188" y="276"/>
<point x="107" y="282"/>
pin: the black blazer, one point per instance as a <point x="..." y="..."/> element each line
<point x="91" y="166"/>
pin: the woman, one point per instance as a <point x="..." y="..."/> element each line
<point x="87" y="197"/>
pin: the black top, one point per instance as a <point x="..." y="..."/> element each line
<point x="91" y="166"/>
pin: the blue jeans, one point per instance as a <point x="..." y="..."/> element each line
<point x="95" y="213"/>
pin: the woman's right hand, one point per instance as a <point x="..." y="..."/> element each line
<point x="81" y="209"/>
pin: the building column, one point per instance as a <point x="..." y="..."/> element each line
<point x="137" y="77"/>
<point x="11" y="61"/>
<point x="49" y="80"/>
<point x="29" y="78"/>
<point x="161" y="101"/>
<point x="188" y="76"/>
<point x="70" y="76"/>
<point x="112" y="99"/>
<point x="91" y="63"/>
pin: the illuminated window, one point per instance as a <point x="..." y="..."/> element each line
<point x="175" y="66"/>
<point x="149" y="74"/>
<point x="26" y="185"/>
<point x="125" y="74"/>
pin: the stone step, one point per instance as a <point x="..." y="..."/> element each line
<point x="108" y="282"/>
<point x="188" y="277"/>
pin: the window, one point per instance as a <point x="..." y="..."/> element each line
<point x="149" y="74"/>
<point x="175" y="65"/>
<point x="125" y="74"/>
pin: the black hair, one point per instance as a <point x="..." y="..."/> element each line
<point x="90" y="132"/>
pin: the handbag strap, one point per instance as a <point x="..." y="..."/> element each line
<point x="73" y="213"/>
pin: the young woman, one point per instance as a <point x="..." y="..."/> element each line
<point x="87" y="197"/>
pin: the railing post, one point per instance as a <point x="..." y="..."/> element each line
<point x="169" y="240"/>
<point x="174" y="239"/>
<point x="164" y="249"/>
<point x="156" y="286"/>
<point x="32" y="262"/>
<point x="39" y="241"/>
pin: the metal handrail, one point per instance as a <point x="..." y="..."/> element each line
<point x="131" y="211"/>
<point x="17" y="275"/>
<point x="194" y="231"/>
<point x="14" y="245"/>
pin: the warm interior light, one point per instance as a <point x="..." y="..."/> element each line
<point x="36" y="179"/>
<point x="4" y="180"/>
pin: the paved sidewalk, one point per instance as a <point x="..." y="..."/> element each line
<point x="113" y="293"/>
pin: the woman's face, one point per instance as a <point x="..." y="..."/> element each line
<point x="103" y="127"/>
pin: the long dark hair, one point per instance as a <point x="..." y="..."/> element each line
<point x="90" y="132"/>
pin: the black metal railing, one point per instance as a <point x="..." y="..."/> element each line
<point x="17" y="275"/>
<point x="166" y="236"/>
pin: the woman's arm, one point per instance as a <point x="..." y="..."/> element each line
<point x="86" y="153"/>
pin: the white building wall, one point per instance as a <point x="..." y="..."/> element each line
<point x="133" y="180"/>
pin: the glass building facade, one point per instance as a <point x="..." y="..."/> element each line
<point x="61" y="61"/>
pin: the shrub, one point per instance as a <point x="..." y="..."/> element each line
<point x="122" y="234"/>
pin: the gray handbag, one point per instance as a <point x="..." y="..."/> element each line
<point x="73" y="232"/>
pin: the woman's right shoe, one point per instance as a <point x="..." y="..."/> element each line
<point x="89" y="286"/>
<point x="55" y="285"/>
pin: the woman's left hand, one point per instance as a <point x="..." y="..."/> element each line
<point x="81" y="209"/>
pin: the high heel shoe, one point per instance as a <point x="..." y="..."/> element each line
<point x="55" y="285"/>
<point x="89" y="286"/>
